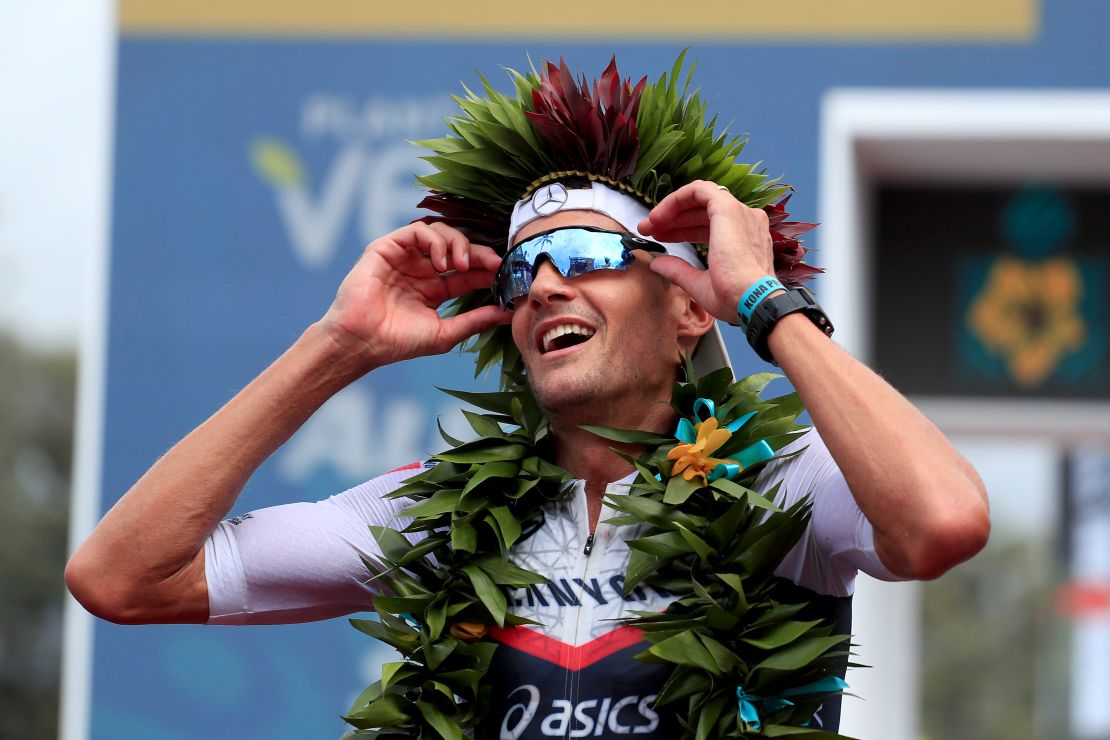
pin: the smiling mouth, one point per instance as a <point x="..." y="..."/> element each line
<point x="564" y="336"/>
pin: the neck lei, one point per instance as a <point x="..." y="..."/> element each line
<point x="747" y="659"/>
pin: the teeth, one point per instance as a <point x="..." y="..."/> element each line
<point x="555" y="332"/>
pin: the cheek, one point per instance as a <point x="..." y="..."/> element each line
<point x="654" y="325"/>
<point x="519" y="329"/>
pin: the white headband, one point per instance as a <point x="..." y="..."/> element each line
<point x="621" y="207"/>
<point x="711" y="353"/>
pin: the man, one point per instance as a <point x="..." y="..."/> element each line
<point x="600" y="346"/>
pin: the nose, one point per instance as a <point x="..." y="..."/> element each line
<point x="549" y="285"/>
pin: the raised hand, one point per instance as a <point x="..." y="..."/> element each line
<point x="385" y="309"/>
<point x="739" y="239"/>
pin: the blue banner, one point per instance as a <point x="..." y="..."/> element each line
<point x="249" y="175"/>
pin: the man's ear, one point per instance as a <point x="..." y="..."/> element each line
<point x="693" y="321"/>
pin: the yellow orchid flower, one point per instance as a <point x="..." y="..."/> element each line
<point x="693" y="460"/>
<point x="468" y="631"/>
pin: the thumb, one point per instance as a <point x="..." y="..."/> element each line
<point x="455" y="329"/>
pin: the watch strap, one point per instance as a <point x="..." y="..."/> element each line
<point x="754" y="295"/>
<point x="771" y="310"/>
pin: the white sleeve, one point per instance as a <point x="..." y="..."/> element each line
<point x="299" y="562"/>
<point x="839" y="540"/>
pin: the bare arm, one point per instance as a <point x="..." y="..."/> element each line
<point x="926" y="503"/>
<point x="144" y="562"/>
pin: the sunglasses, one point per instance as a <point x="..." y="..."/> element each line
<point x="573" y="251"/>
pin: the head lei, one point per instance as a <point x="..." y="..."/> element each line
<point x="645" y="141"/>
<point x="750" y="657"/>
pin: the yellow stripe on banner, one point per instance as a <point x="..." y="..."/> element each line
<point x="623" y="19"/>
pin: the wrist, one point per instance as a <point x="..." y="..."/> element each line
<point x="340" y="355"/>
<point x="784" y="328"/>
<point x="754" y="293"/>
<point x="767" y="315"/>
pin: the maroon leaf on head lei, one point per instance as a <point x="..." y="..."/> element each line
<point x="789" y="252"/>
<point x="557" y="127"/>
<point x="594" y="134"/>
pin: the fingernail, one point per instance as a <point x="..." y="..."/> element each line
<point x="466" y="259"/>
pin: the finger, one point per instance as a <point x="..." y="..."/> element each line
<point x="694" y="235"/>
<point x="443" y="287"/>
<point x="698" y="284"/>
<point x="458" y="283"/>
<point x="460" y="253"/>
<point x="689" y="226"/>
<point x="692" y="216"/>
<point x="402" y="259"/>
<point x="458" y="245"/>
<point x="437" y="251"/>
<point x="484" y="257"/>
<point x="687" y="218"/>
<point x="695" y="195"/>
<point x="419" y="237"/>
<point x="465" y="253"/>
<point x="422" y="238"/>
<point x="457" y="328"/>
<point x="679" y="272"/>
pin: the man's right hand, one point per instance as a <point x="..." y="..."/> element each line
<point x="386" y="307"/>
<point x="145" y="561"/>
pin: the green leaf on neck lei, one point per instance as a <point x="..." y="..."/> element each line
<point x="750" y="656"/>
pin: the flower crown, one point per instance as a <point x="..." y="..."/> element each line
<point x="646" y="140"/>
<point x="734" y="636"/>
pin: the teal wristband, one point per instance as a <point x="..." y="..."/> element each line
<point x="754" y="296"/>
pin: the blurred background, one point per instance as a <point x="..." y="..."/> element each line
<point x="184" y="184"/>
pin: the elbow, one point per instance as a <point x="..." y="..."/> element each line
<point x="105" y="588"/>
<point x="932" y="548"/>
<point x="948" y="545"/>
<point x="81" y="582"/>
<point x="100" y="595"/>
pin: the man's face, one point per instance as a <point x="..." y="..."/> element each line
<point x="603" y="340"/>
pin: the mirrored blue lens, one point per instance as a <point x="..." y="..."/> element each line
<point x="572" y="251"/>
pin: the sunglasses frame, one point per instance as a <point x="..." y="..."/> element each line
<point x="629" y="241"/>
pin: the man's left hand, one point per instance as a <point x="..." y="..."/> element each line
<point x="739" y="239"/>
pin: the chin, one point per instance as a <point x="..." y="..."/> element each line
<point x="555" y="395"/>
<point x="562" y="387"/>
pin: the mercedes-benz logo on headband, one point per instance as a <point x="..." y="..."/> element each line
<point x="549" y="199"/>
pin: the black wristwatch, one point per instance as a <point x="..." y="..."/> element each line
<point x="771" y="310"/>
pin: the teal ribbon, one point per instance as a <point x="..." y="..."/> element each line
<point x="735" y="426"/>
<point x="706" y="405"/>
<point x="723" y="470"/>
<point x="754" y="454"/>
<point x="686" y="432"/>
<point x="749" y="713"/>
<point x="704" y="408"/>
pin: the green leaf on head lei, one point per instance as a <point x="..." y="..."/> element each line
<point x="749" y="659"/>
<point x="646" y="140"/>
